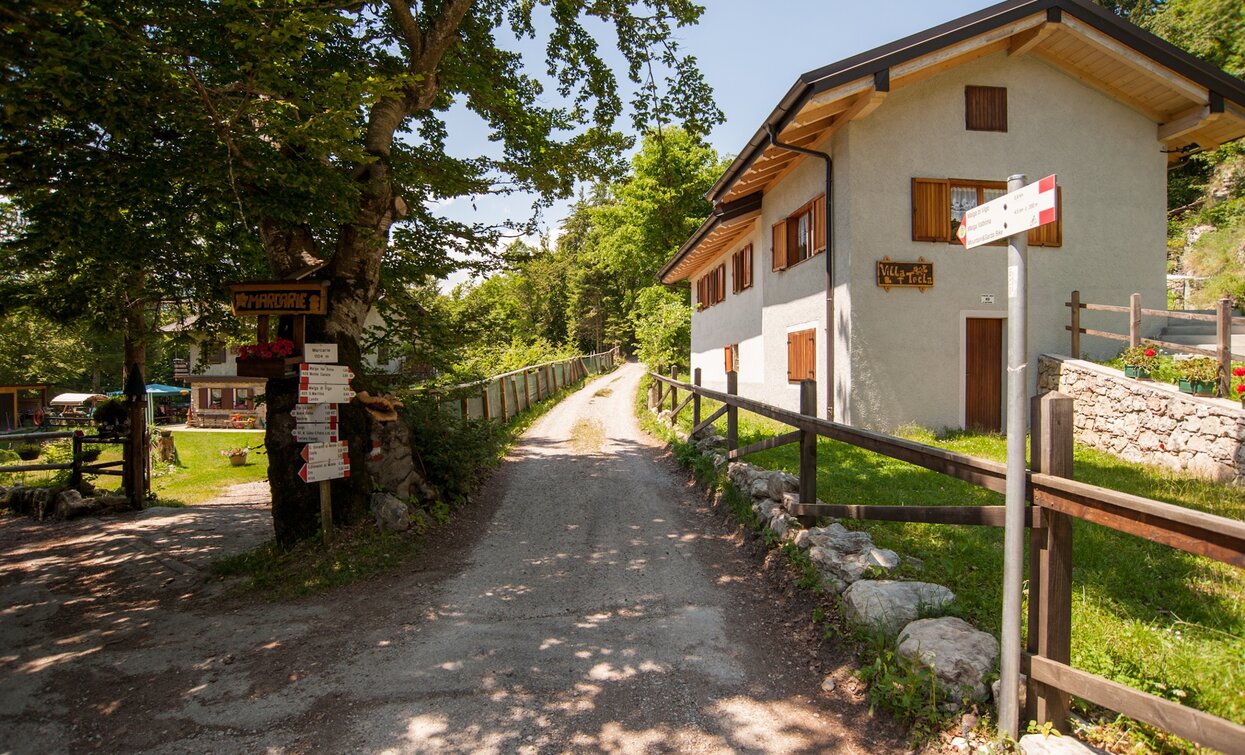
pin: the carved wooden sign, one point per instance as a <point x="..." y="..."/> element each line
<point x="919" y="275"/>
<point x="257" y="298"/>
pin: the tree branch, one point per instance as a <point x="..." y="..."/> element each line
<point x="410" y="29"/>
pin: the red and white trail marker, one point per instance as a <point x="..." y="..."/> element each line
<point x="324" y="470"/>
<point x="1025" y="208"/>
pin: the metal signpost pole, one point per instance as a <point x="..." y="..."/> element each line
<point x="1017" y="429"/>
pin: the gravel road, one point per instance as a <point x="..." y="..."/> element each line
<point x="592" y="602"/>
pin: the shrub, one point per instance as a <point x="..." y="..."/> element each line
<point x="454" y="454"/>
<point x="663" y="328"/>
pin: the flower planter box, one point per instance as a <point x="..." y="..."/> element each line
<point x="275" y="367"/>
<point x="1197" y="387"/>
<point x="237" y="460"/>
<point x="1139" y="373"/>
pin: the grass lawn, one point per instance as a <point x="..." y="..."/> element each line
<point x="203" y="473"/>
<point x="1145" y="615"/>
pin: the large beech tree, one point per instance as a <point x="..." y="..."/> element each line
<point x="319" y="128"/>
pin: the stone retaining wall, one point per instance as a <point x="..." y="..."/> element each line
<point x="1151" y="423"/>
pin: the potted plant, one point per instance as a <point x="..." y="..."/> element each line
<point x="236" y="456"/>
<point x="267" y="358"/>
<point x="28" y="451"/>
<point x="1139" y="361"/>
<point x="1199" y="376"/>
<point x="112" y="416"/>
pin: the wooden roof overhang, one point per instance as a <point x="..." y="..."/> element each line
<point x="729" y="223"/>
<point x="1194" y="105"/>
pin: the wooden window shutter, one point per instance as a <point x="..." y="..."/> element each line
<point x="729" y="354"/>
<point x="819" y="224"/>
<point x="793" y="237"/>
<point x="746" y="254"/>
<point x="810" y="354"/>
<point x="1050" y="234"/>
<point x="780" y="245"/>
<point x="735" y="273"/>
<point x="985" y="108"/>
<point x="931" y="209"/>
<point x="226" y="398"/>
<point x="792" y="357"/>
<point x="205" y="398"/>
<point x="721" y="282"/>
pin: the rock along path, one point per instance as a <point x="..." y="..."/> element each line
<point x="597" y="610"/>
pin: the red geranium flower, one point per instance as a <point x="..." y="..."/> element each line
<point x="1238" y="371"/>
<point x="1150" y="352"/>
<point x="1240" y="387"/>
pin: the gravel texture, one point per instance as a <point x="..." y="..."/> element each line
<point x="590" y="600"/>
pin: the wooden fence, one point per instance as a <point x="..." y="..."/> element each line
<point x="504" y="396"/>
<point x="1054" y="499"/>
<point x="1222" y="319"/>
<point x="76" y="466"/>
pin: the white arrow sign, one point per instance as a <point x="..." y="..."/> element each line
<point x="315" y="453"/>
<point x="1017" y="212"/>
<point x="324" y="373"/>
<point x="325" y="470"/>
<point x="322" y="353"/>
<point x="315" y="433"/>
<point x="308" y="413"/>
<point x="324" y="393"/>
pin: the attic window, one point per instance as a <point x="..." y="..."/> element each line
<point x="985" y="108"/>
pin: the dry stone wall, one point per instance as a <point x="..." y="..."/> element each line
<point x="1151" y="423"/>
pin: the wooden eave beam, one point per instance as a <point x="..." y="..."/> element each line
<point x="1132" y="59"/>
<point x="1023" y="42"/>
<point x="951" y="52"/>
<point x="1191" y="120"/>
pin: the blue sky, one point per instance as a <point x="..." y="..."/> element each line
<point x="751" y="52"/>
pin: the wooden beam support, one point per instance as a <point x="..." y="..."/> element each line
<point x="1089" y="79"/>
<point x="986" y="516"/>
<point x="765" y="445"/>
<point x="1189" y="121"/>
<point x="709" y="420"/>
<point x="1023" y="42"/>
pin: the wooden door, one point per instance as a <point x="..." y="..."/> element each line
<point x="983" y="383"/>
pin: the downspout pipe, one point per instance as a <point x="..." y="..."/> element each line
<point x="829" y="163"/>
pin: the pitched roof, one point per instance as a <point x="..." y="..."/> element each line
<point x="1194" y="104"/>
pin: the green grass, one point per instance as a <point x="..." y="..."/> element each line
<point x="1145" y="615"/>
<point x="203" y="473"/>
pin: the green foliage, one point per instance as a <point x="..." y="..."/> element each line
<point x="454" y="454"/>
<point x="1143" y="356"/>
<point x="663" y="328"/>
<point x="202" y="474"/>
<point x="908" y="691"/>
<point x="1199" y="369"/>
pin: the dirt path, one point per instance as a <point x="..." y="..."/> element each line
<point x="593" y="605"/>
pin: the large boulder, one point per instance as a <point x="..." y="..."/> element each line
<point x="391" y="512"/>
<point x="959" y="655"/>
<point x="888" y="605"/>
<point x="845" y="554"/>
<point x="782" y="482"/>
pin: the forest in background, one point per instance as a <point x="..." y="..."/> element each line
<point x="592" y="283"/>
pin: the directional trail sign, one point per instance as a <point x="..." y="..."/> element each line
<point x="324" y="373"/>
<point x="1025" y="208"/>
<point x="324" y="470"/>
<point x="320" y="352"/>
<point x="324" y="393"/>
<point x="316" y="433"/>
<point x="315" y="413"/>
<point x="315" y="453"/>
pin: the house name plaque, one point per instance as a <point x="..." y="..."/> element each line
<point x="919" y="274"/>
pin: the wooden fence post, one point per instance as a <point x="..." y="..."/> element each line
<point x="501" y="391"/>
<point x="674" y="392"/>
<point x="484" y="403"/>
<point x="527" y="395"/>
<point x="696" y="398"/>
<point x="75" y="474"/>
<point x="1134" y="320"/>
<point x="462" y="404"/>
<point x="808" y="446"/>
<point x="514" y="386"/>
<point x="1053" y="456"/>
<point x="1223" y="345"/>
<point x="1076" y="328"/>
<point x="732" y="413"/>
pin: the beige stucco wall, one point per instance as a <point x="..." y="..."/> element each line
<point x="737" y="320"/>
<point x="906" y="347"/>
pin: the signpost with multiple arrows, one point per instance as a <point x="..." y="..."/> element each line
<point x="321" y="387"/>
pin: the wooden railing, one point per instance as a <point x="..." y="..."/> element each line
<point x="1222" y="319"/>
<point x="76" y="466"/>
<point x="1054" y="499"/>
<point x="503" y="396"/>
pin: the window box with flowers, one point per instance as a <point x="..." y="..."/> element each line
<point x="1139" y="361"/>
<point x="1199" y="376"/>
<point x="272" y="359"/>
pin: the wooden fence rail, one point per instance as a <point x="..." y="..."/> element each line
<point x="503" y="396"/>
<point x="1222" y="319"/>
<point x="1055" y="499"/>
<point x="76" y="466"/>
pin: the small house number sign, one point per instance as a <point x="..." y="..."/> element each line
<point x="919" y="274"/>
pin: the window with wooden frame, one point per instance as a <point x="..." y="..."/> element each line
<point x="802" y="355"/>
<point x="939" y="204"/>
<point x="985" y="108"/>
<point x="800" y="235"/>
<point x="214" y="353"/>
<point x="711" y="288"/>
<point x="741" y="269"/>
